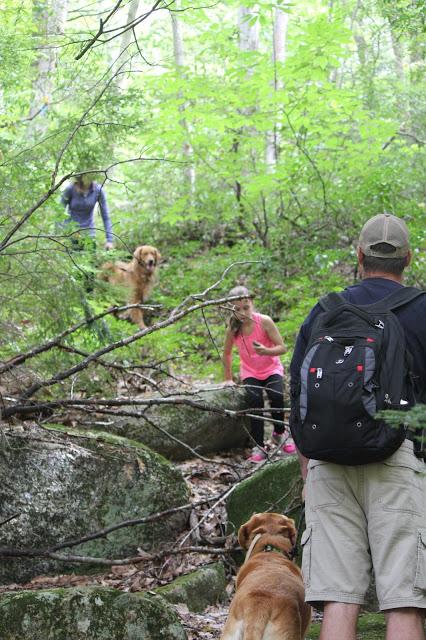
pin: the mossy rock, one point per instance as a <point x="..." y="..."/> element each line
<point x="274" y="487"/>
<point x="90" y="613"/>
<point x="197" y="589"/>
<point x="201" y="430"/>
<point x="67" y="484"/>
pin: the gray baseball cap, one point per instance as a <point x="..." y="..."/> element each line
<point x="388" y="229"/>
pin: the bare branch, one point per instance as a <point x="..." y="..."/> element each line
<point x="198" y="296"/>
<point x="120" y="30"/>
<point x="56" y="341"/>
<point x="102" y="24"/>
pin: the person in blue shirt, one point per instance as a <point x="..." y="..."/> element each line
<point x="81" y="198"/>
<point x="371" y="516"/>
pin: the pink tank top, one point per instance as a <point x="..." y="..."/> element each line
<point x="251" y="364"/>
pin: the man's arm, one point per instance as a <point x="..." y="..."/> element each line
<point x="295" y="365"/>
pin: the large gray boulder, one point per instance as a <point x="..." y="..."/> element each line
<point x="90" y="613"/>
<point x="62" y="484"/>
<point x="200" y="429"/>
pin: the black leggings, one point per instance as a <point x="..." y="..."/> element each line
<point x="274" y="390"/>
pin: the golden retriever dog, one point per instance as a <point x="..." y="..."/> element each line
<point x="139" y="276"/>
<point x="269" y="603"/>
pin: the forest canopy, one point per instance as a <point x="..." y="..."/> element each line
<point x="250" y="139"/>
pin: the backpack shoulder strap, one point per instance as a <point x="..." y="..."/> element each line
<point x="396" y="299"/>
<point x="331" y="301"/>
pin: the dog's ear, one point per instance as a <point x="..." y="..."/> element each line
<point x="137" y="253"/>
<point x="249" y="529"/>
<point x="289" y="530"/>
<point x="157" y="255"/>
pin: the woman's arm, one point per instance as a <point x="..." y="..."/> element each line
<point x="103" y="206"/>
<point x="227" y="356"/>
<point x="269" y="326"/>
<point x="66" y="196"/>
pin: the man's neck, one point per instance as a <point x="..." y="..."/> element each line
<point x="380" y="274"/>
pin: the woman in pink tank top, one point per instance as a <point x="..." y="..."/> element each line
<point x="259" y="345"/>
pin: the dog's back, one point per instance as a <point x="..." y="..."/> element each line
<point x="269" y="603"/>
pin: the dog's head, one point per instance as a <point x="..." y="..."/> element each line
<point x="268" y="525"/>
<point x="147" y="257"/>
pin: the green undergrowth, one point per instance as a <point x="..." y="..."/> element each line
<point x="371" y="626"/>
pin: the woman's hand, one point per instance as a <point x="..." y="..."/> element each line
<point x="260" y="349"/>
<point x="229" y="383"/>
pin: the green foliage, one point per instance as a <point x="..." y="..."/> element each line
<point x="415" y="418"/>
<point x="348" y="128"/>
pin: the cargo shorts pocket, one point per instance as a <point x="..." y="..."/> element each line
<point x="420" y="579"/>
<point x="324" y="485"/>
<point x="306" y="544"/>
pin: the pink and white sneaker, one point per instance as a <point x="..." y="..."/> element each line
<point x="257" y="455"/>
<point x="289" y="447"/>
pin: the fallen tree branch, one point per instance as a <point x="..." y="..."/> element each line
<point x="62" y="375"/>
<point x="6" y="552"/>
<point x="56" y="341"/>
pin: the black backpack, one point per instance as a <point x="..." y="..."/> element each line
<point x="355" y="364"/>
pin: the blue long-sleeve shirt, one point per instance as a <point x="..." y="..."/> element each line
<point x="81" y="208"/>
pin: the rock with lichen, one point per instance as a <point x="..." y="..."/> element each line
<point x="204" y="420"/>
<point x="57" y="485"/>
<point x="198" y="589"/>
<point x="90" y="613"/>
<point x="275" y="487"/>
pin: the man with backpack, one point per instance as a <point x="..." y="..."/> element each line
<point x="358" y="354"/>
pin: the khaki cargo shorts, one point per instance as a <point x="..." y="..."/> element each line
<point x="364" y="518"/>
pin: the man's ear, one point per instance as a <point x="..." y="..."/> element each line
<point x="360" y="255"/>
<point x="408" y="258"/>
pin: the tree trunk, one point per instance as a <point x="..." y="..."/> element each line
<point x="126" y="39"/>
<point x="278" y="56"/>
<point x="50" y="17"/>
<point x="179" y="55"/>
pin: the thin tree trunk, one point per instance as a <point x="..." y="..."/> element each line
<point x="179" y="56"/>
<point x="248" y="30"/>
<point x="50" y="16"/>
<point x="126" y="39"/>
<point x="278" y="57"/>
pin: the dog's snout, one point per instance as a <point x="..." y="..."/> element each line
<point x="151" y="263"/>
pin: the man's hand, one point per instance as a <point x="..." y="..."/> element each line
<point x="108" y="246"/>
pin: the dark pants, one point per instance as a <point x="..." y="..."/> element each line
<point x="274" y="390"/>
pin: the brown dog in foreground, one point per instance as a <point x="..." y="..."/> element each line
<point x="269" y="603"/>
<point x="139" y="276"/>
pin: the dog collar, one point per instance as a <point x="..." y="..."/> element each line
<point x="267" y="548"/>
<point x="270" y="547"/>
<point x="253" y="542"/>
